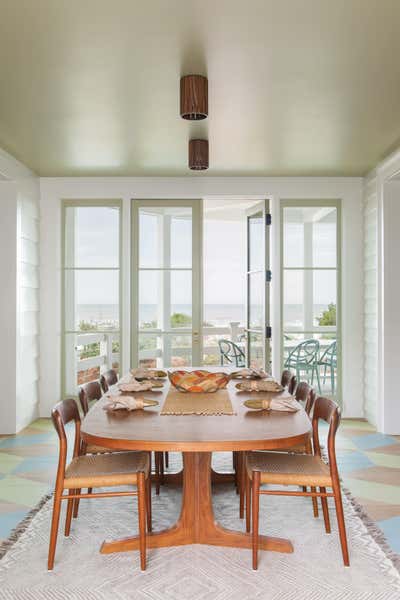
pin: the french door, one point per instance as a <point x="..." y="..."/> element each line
<point x="166" y="283"/>
<point x="258" y="331"/>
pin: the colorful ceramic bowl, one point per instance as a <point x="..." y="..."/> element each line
<point x="198" y="381"/>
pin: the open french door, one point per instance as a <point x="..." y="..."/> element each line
<point x="258" y="277"/>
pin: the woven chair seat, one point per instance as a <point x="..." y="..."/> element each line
<point x="289" y="469"/>
<point x="299" y="449"/>
<point x="93" y="449"/>
<point x="102" y="470"/>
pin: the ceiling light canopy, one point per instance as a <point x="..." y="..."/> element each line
<point x="198" y="155"/>
<point x="194" y="97"/>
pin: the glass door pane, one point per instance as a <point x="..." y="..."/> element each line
<point x="258" y="345"/>
<point x="166" y="283"/>
<point x="310" y="281"/>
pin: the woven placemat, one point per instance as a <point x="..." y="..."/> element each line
<point x="179" y="403"/>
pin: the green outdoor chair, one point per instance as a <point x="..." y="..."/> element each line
<point x="329" y="360"/>
<point x="230" y="353"/>
<point x="304" y="358"/>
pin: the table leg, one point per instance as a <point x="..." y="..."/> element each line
<point x="196" y="524"/>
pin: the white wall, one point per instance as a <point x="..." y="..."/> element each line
<point x="8" y="303"/>
<point x="390" y="409"/>
<point x="371" y="345"/>
<point x="27" y="302"/>
<point x="19" y="301"/>
<point x="383" y="189"/>
<point x="53" y="190"/>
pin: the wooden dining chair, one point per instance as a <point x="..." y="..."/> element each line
<point x="108" y="379"/>
<point x="305" y="395"/>
<point x="282" y="468"/>
<point x="100" y="470"/>
<point x="88" y="393"/>
<point x="289" y="381"/>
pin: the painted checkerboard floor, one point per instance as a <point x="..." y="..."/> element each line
<point x="369" y="463"/>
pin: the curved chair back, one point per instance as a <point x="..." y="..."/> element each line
<point x="289" y="381"/>
<point x="329" y="356"/>
<point x="327" y="410"/>
<point x="305" y="353"/>
<point x="306" y="395"/>
<point x="231" y="353"/>
<point x="108" y="379"/>
<point x="87" y="393"/>
<point x="63" y="413"/>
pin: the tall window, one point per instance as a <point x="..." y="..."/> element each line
<point x="310" y="283"/>
<point x="91" y="299"/>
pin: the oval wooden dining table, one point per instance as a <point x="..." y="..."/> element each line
<point x="196" y="436"/>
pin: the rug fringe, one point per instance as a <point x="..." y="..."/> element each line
<point x="374" y="530"/>
<point x="16" y="533"/>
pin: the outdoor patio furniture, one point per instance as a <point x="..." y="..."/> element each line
<point x="230" y="353"/>
<point x="328" y="360"/>
<point x="304" y="358"/>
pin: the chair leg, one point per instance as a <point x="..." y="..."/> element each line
<point x="157" y="469"/>
<point x="148" y="498"/>
<point x="315" y="502"/>
<point x="324" y="502"/>
<point x="318" y="378"/>
<point x="54" y="529"/>
<point x="341" y="523"/>
<point x="241" y="479"/>
<point x="161" y="468"/>
<point x="255" y="514"/>
<point x="68" y="518"/>
<point x="248" y="503"/>
<point x="166" y="455"/>
<point x="235" y="469"/>
<point x="142" y="519"/>
<point x="77" y="500"/>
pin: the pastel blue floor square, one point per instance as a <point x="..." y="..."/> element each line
<point x="351" y="460"/>
<point x="373" y="440"/>
<point x="24" y="440"/>
<point x="391" y="529"/>
<point x="40" y="463"/>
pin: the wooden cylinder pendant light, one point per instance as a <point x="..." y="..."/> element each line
<point x="198" y="155"/>
<point x="194" y="97"/>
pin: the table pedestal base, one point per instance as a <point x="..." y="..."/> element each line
<point x="196" y="524"/>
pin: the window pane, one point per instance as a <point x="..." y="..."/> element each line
<point x="256" y="299"/>
<point x="165" y="237"/>
<point x="256" y="354"/>
<point x="91" y="300"/>
<point x="170" y="310"/>
<point x="309" y="236"/>
<point x="256" y="230"/>
<point x="324" y="306"/>
<point x="87" y="355"/>
<point x="309" y="299"/>
<point x="92" y="236"/>
<point x="168" y="350"/>
<point x="293" y="299"/>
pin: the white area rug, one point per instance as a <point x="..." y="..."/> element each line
<point x="314" y="571"/>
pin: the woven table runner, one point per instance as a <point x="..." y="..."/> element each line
<point x="179" y="403"/>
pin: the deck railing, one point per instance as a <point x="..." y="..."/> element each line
<point x="106" y="357"/>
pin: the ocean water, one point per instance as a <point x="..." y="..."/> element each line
<point x="219" y="315"/>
